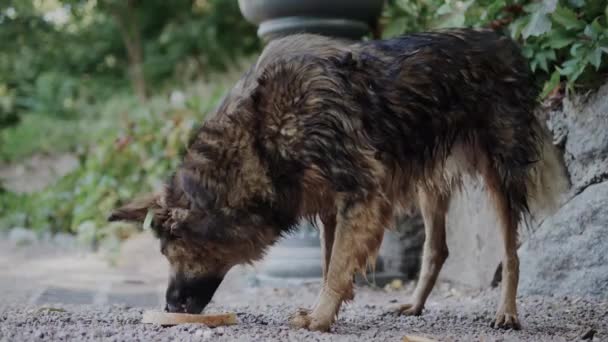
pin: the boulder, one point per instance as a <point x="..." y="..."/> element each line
<point x="568" y="254"/>
<point x="580" y="127"/>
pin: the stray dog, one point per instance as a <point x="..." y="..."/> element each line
<point x="354" y="133"/>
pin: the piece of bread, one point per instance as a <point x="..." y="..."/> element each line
<point x="170" y="318"/>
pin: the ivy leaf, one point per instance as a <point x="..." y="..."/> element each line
<point x="550" y="84"/>
<point x="544" y="6"/>
<point x="517" y="26"/>
<point x="575" y="49"/>
<point x="593" y="30"/>
<point x="495" y="8"/>
<point x="595" y="57"/>
<point x="527" y="51"/>
<point x="533" y="7"/>
<point x="542" y="58"/>
<point x="539" y="24"/>
<point x="533" y="65"/>
<point x="572" y="69"/>
<point x="444" y="9"/>
<point x="559" y="38"/>
<point x="567" y="18"/>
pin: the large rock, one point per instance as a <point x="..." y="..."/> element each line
<point x="568" y="254"/>
<point x="581" y="129"/>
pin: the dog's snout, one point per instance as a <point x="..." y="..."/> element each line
<point x="170" y="307"/>
<point x="190" y="295"/>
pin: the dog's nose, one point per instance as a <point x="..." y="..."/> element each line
<point x="170" y="307"/>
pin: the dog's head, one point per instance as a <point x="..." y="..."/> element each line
<point x="214" y="212"/>
<point x="201" y="236"/>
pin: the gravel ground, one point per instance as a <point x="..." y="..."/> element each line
<point x="263" y="316"/>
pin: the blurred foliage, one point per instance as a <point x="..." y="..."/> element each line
<point x="136" y="150"/>
<point x="96" y="76"/>
<point x="61" y="56"/>
<point x="566" y="41"/>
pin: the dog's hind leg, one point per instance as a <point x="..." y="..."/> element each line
<point x="360" y="224"/>
<point x="433" y="207"/>
<point x="501" y="192"/>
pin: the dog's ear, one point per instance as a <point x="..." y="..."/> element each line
<point x="136" y="210"/>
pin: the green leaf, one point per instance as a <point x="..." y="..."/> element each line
<point x="495" y="8"/>
<point x="533" y="65"/>
<point x="539" y="24"/>
<point x="527" y="51"/>
<point x="543" y="57"/>
<point x="572" y="69"/>
<point x="593" y="30"/>
<point x="550" y="84"/>
<point x="595" y="57"/>
<point x="559" y="38"/>
<point x="544" y="7"/>
<point x="567" y="18"/>
<point x="575" y="49"/>
<point x="444" y="9"/>
<point x="517" y="26"/>
<point x="549" y="6"/>
<point x="533" y="7"/>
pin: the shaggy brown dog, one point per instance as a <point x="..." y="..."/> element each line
<point x="353" y="132"/>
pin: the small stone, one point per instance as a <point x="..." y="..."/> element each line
<point x="589" y="334"/>
<point x="207" y="334"/>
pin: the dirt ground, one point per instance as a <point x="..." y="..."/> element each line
<point x="263" y="316"/>
<point x="49" y="292"/>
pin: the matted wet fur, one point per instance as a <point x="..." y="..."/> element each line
<point x="354" y="133"/>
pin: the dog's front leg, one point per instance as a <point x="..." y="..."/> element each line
<point x="327" y="236"/>
<point x="359" y="231"/>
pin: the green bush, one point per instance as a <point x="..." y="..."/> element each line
<point x="62" y="69"/>
<point x="565" y="40"/>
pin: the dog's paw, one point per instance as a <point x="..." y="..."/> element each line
<point x="506" y="320"/>
<point x="319" y="325"/>
<point x="406" y="310"/>
<point x="300" y="319"/>
<point x="303" y="319"/>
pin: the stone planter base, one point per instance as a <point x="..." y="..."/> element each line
<point x="351" y="19"/>
<point x="337" y="27"/>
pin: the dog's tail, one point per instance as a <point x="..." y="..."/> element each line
<point x="547" y="182"/>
